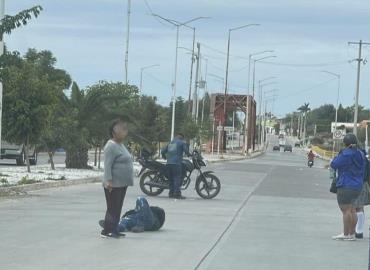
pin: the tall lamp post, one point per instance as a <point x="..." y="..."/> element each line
<point x="127" y="39"/>
<point x="260" y="104"/>
<point x="249" y="65"/>
<point x="227" y="75"/>
<point x="337" y="105"/>
<point x="141" y="75"/>
<point x="254" y="68"/>
<point x="174" y="84"/>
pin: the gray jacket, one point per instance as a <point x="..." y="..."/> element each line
<point x="118" y="165"/>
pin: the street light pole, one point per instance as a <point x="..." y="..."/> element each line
<point x="141" y="76"/>
<point x="249" y="65"/>
<point x="260" y="87"/>
<point x="178" y="25"/>
<point x="127" y="39"/>
<point x="227" y="75"/>
<point x="337" y="105"/>
<point x="254" y="69"/>
<point x="174" y="86"/>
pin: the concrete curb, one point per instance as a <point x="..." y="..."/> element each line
<point x="237" y="159"/>
<point x="23" y="189"/>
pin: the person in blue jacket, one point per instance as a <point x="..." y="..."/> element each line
<point x="174" y="153"/>
<point x="350" y="165"/>
<point x="142" y="218"/>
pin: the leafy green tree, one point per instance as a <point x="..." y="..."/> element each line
<point x="28" y="104"/>
<point x="9" y="23"/>
<point x="45" y="62"/>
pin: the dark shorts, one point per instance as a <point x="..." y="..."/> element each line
<point x="347" y="196"/>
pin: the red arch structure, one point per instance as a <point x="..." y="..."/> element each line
<point x="245" y="103"/>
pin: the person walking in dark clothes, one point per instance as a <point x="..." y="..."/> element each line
<point x="118" y="175"/>
<point x="174" y="153"/>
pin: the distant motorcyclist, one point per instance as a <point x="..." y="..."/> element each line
<point x="311" y="157"/>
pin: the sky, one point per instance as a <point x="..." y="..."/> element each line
<point x="88" y="38"/>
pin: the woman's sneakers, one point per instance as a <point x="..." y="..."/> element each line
<point x="116" y="235"/>
<point x="105" y="234"/>
<point x="342" y="237"/>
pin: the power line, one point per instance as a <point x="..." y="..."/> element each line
<point x="307" y="89"/>
<point x="158" y="80"/>
<point x="224" y="53"/>
<point x="305" y="65"/>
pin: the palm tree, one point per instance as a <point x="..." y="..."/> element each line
<point x="304" y="109"/>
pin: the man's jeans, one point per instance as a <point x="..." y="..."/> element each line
<point x="174" y="177"/>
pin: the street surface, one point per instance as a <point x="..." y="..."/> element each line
<point x="272" y="213"/>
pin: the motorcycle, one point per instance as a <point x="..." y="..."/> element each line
<point x="154" y="177"/>
<point x="310" y="163"/>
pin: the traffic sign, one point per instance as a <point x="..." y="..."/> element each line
<point x="339" y="134"/>
<point x="229" y="129"/>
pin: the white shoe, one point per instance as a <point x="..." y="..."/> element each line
<point x="351" y="237"/>
<point x="340" y="237"/>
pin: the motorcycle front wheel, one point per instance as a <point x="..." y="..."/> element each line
<point x="208" y="186"/>
<point x="145" y="180"/>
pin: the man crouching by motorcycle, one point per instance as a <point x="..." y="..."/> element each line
<point x="311" y="157"/>
<point x="174" y="153"/>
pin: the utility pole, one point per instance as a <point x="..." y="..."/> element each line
<point x="205" y="91"/>
<point x="191" y="71"/>
<point x="127" y="39"/>
<point x="195" y="94"/>
<point x="359" y="60"/>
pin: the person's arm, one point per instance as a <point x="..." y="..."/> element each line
<point x="108" y="163"/>
<point x="339" y="161"/>
<point x="185" y="148"/>
<point x="164" y="152"/>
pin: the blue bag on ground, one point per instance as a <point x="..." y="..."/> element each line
<point x="143" y="218"/>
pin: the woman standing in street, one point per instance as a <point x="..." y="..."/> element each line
<point x="350" y="164"/>
<point x="118" y="175"/>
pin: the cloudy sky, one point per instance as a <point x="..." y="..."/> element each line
<point x="307" y="36"/>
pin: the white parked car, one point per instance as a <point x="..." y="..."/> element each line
<point x="17" y="152"/>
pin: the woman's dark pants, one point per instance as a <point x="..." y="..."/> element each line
<point x="114" y="201"/>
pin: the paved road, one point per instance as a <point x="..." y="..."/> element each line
<point x="273" y="213"/>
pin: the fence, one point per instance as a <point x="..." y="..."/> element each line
<point x="323" y="153"/>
